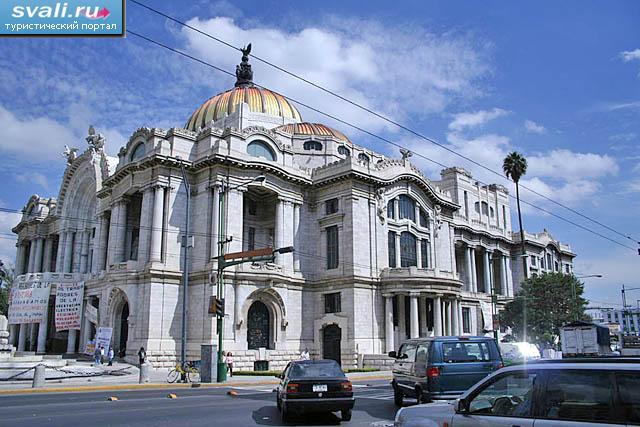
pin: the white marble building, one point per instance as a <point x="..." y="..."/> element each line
<point x="382" y="252"/>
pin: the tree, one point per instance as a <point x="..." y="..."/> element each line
<point x="6" y="280"/>
<point x="549" y="302"/>
<point x="515" y="167"/>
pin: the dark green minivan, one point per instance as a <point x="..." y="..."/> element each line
<point x="442" y="367"/>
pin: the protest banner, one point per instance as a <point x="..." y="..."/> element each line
<point x="69" y="305"/>
<point x="29" y="302"/>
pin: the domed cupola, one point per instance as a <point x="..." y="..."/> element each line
<point x="312" y="130"/>
<point x="259" y="100"/>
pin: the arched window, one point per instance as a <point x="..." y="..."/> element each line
<point x="344" y="151"/>
<point x="138" y="152"/>
<point x="424" y="218"/>
<point x="408" y="253"/>
<point x="485" y="209"/>
<point x="476" y="205"/>
<point x="492" y="212"/>
<point x="312" y="145"/>
<point x="261" y="149"/>
<point x="407" y="207"/>
<point x="363" y="158"/>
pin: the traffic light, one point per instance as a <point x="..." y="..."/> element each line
<point x="216" y="306"/>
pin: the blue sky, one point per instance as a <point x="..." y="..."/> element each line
<point x="559" y="82"/>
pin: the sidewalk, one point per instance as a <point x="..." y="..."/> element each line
<point x="157" y="380"/>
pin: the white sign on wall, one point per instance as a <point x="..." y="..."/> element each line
<point x="486" y="315"/>
<point x="28" y="302"/>
<point x="69" y="305"/>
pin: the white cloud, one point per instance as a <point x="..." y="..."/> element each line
<point x="397" y="71"/>
<point x="8" y="244"/>
<point x="533" y="127"/>
<point x="633" y="186"/>
<point x="630" y="55"/>
<point x="571" y="166"/>
<point x="477" y="118"/>
<point x="33" y="178"/>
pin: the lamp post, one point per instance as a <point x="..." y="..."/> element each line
<point x="222" y="264"/>
<point x="186" y="244"/>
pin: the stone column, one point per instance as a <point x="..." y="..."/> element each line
<point x="21" y="252"/>
<point x="287" y="235"/>
<point x="474" y="270"/>
<point x="487" y="272"/>
<point x="68" y="252"/>
<point x="121" y="233"/>
<point x="97" y="262"/>
<point x="60" y="256"/>
<point x="13" y="335"/>
<point x="503" y="274"/>
<point x="396" y="209"/>
<point x="278" y="231"/>
<point x="155" y="248"/>
<point x="146" y="226"/>
<point x="113" y="235"/>
<point x="86" y="326"/>
<point x="454" y="317"/>
<point x="22" y="337"/>
<point x="402" y="324"/>
<point x="84" y="250"/>
<point x="398" y="252"/>
<point x="297" y="237"/>
<point x="423" y="316"/>
<point x="509" y="282"/>
<point x="48" y="254"/>
<point x="467" y="266"/>
<point x="32" y="256"/>
<point x="71" y="340"/>
<point x="437" y="316"/>
<point x="214" y="223"/>
<point x="419" y="252"/>
<point x="37" y="263"/>
<point x="388" y="317"/>
<point x="33" y="334"/>
<point x="42" y="332"/>
<point x="413" y="317"/>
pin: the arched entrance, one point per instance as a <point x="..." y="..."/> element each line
<point x="121" y="329"/>
<point x="258" y="326"/>
<point x="331" y="337"/>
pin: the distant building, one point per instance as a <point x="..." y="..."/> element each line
<point x="629" y="319"/>
<point x="382" y="253"/>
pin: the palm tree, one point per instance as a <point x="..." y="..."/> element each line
<point x="515" y="167"/>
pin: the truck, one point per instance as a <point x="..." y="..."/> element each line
<point x="630" y="345"/>
<point x="585" y="339"/>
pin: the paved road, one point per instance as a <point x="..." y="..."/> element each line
<point x="194" y="407"/>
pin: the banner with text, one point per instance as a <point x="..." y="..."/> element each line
<point x="103" y="338"/>
<point x="28" y="302"/>
<point x="69" y="305"/>
<point x="487" y="317"/>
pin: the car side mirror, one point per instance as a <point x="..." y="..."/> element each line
<point x="393" y="354"/>
<point x="460" y="406"/>
<point x="278" y="376"/>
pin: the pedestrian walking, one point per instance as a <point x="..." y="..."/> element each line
<point x="96" y="355"/>
<point x="111" y="356"/>
<point x="101" y="354"/>
<point x="142" y="356"/>
<point x="304" y="355"/>
<point x="229" y="360"/>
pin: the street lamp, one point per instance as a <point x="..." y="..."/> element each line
<point x="186" y="244"/>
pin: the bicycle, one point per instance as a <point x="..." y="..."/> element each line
<point x="176" y="373"/>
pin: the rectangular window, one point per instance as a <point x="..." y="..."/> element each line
<point x="392" y="249"/>
<point x="332" y="247"/>
<point x="251" y="245"/>
<point x="407" y="207"/>
<point x="504" y="216"/>
<point x="391" y="209"/>
<point x="533" y="260"/>
<point x="332" y="303"/>
<point x="466" y="320"/>
<point x="566" y="268"/>
<point x="557" y="268"/>
<point x="465" y="352"/>
<point x="253" y="207"/>
<point x="424" y="219"/>
<point x="424" y="248"/>
<point x="331" y="206"/>
<point x="549" y="261"/>
<point x="466" y="204"/>
<point x="579" y="395"/>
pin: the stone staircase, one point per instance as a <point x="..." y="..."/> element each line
<point x="13" y="366"/>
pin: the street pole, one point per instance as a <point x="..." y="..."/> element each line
<point x="221" y="366"/>
<point x="185" y="274"/>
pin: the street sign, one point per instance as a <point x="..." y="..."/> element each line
<point x="249" y="254"/>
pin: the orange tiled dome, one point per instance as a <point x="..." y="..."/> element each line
<point x="312" y="129"/>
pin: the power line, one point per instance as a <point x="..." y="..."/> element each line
<point x="160" y="44"/>
<point x="382" y="117"/>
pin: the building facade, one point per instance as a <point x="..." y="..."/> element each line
<point x="382" y="253"/>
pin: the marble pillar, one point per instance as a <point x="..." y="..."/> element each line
<point x="42" y="333"/>
<point x="71" y="340"/>
<point x="388" y="317"/>
<point x="22" y="337"/>
<point x="37" y="263"/>
<point x="214" y="220"/>
<point x="474" y="270"/>
<point x="60" y="255"/>
<point x="413" y="317"/>
<point x="68" y="252"/>
<point x="32" y="256"/>
<point x="437" y="316"/>
<point x="296" y="237"/>
<point x="155" y="247"/>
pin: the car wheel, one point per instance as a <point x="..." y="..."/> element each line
<point x="346" y="414"/>
<point x="397" y="396"/>
<point x="420" y="397"/>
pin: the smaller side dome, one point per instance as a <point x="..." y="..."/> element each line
<point x="306" y="129"/>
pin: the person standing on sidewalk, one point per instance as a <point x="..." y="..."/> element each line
<point x="142" y="356"/>
<point x="230" y="363"/>
<point x="111" y="356"/>
<point x="96" y="356"/>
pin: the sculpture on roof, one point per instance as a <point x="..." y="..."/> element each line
<point x="70" y="154"/>
<point x="95" y="140"/>
<point x="405" y="153"/>
<point x="244" y="74"/>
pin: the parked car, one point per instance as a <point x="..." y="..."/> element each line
<point x="442" y="367"/>
<point x="314" y="386"/>
<point x="518" y="352"/>
<point x="544" y="393"/>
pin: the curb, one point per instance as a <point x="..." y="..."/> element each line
<point x="157" y="386"/>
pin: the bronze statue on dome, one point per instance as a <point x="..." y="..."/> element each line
<point x="244" y="74"/>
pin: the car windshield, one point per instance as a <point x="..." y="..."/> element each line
<point x="316" y="370"/>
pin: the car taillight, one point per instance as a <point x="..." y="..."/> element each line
<point x="346" y="386"/>
<point x="292" y="387"/>
<point x="433" y="372"/>
<point x="500" y="365"/>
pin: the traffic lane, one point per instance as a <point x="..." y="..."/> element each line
<point x="193" y="407"/>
